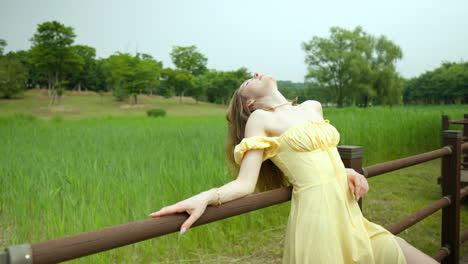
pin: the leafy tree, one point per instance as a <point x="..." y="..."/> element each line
<point x="36" y="78"/>
<point x="447" y="84"/>
<point x="52" y="53"/>
<point x="167" y="78"/>
<point x="3" y="44"/>
<point x="386" y="82"/>
<point x="353" y="65"/>
<point x="84" y="76"/>
<point x="13" y="76"/>
<point x="176" y="81"/>
<point x="223" y="84"/>
<point x="199" y="86"/>
<point x="190" y="59"/>
<point x="131" y="75"/>
<point x="148" y="71"/>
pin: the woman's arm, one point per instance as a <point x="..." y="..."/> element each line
<point x="240" y="187"/>
<point x="195" y="206"/>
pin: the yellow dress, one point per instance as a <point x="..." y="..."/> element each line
<point x="325" y="224"/>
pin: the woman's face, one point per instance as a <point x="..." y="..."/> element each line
<point x="259" y="86"/>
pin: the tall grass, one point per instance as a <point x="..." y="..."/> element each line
<point x="63" y="177"/>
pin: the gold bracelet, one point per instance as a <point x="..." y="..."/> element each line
<point x="219" y="199"/>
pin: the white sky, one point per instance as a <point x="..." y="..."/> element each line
<point x="264" y="36"/>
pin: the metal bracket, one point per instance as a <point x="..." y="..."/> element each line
<point x="17" y="254"/>
<point x="448" y="199"/>
<point x="364" y="172"/>
<point x="449" y="148"/>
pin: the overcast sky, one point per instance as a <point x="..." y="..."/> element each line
<point x="264" y="36"/>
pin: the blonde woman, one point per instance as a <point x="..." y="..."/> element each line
<point x="273" y="143"/>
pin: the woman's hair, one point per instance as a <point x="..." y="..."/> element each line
<point x="270" y="176"/>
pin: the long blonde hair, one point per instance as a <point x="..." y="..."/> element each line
<point x="270" y="176"/>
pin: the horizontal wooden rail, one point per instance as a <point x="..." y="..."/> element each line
<point x="441" y="254"/>
<point x="84" y="244"/>
<point x="393" y="165"/>
<point x="445" y="251"/>
<point x="458" y="121"/>
<point x="409" y="221"/>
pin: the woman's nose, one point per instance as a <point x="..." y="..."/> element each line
<point x="256" y="74"/>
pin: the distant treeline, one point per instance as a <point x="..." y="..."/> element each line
<point x="348" y="68"/>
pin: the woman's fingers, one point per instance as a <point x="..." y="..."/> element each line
<point x="168" y="210"/>
<point x="352" y="185"/>
<point x="188" y="223"/>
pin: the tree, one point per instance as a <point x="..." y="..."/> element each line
<point x="386" y="81"/>
<point x="199" y="86"/>
<point x="175" y="81"/>
<point x="84" y="76"/>
<point x="36" y="78"/>
<point x="131" y="75"/>
<point x="223" y="84"/>
<point x="190" y="59"/>
<point x="51" y="52"/>
<point x="13" y="76"/>
<point x="447" y="84"/>
<point x="353" y="65"/>
<point x="3" y="44"/>
<point x="149" y="72"/>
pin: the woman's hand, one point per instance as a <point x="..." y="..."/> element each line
<point x="194" y="206"/>
<point x="357" y="183"/>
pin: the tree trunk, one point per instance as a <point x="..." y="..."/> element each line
<point x="52" y="100"/>
<point x="49" y="84"/>
<point x="181" y="94"/>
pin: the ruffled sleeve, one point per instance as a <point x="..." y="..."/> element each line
<point x="268" y="144"/>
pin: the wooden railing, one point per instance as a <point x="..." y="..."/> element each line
<point x="79" y="245"/>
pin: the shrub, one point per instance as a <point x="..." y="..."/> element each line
<point x="156" y="112"/>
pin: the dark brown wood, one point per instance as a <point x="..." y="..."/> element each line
<point x="463" y="192"/>
<point x="409" y="221"/>
<point x="451" y="187"/>
<point x="352" y="158"/>
<point x="465" y="137"/>
<point x="443" y="252"/>
<point x="458" y="121"/>
<point x="463" y="236"/>
<point x="445" y="122"/>
<point x="84" y="244"/>
<point x="393" y="165"/>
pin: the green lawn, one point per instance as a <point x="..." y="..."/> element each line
<point x="75" y="105"/>
<point x="64" y="173"/>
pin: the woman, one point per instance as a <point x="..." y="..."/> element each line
<point x="274" y="143"/>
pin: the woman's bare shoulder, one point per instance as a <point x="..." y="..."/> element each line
<point x="312" y="103"/>
<point x="256" y="123"/>
<point x="315" y="105"/>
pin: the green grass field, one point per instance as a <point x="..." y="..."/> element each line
<point x="101" y="164"/>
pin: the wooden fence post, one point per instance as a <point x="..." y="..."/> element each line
<point x="352" y="158"/>
<point x="465" y="139"/>
<point x="451" y="188"/>
<point x="445" y="122"/>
